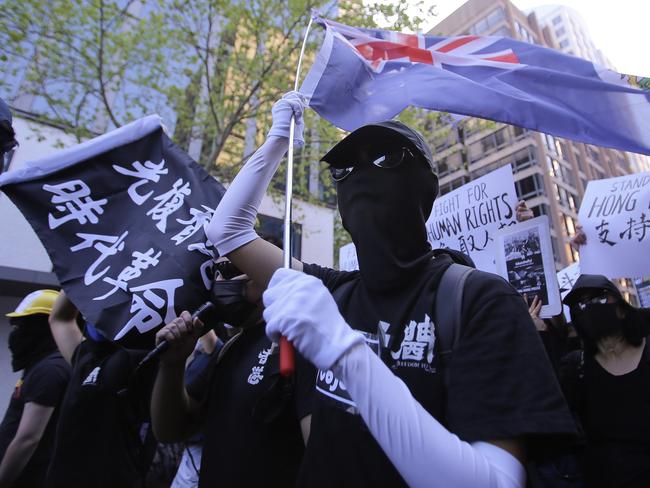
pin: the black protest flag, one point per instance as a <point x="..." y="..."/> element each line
<point x="121" y="218"/>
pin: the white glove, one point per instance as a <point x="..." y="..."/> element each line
<point x="299" y="307"/>
<point x="419" y="447"/>
<point x="292" y="103"/>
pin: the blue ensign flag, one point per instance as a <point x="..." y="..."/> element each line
<point x="361" y="76"/>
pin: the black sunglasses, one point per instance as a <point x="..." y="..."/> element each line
<point x="227" y="270"/>
<point x="386" y="161"/>
<point x="601" y="297"/>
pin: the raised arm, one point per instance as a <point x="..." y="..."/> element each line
<point x="174" y="415"/>
<point x="63" y="324"/>
<point x="231" y="229"/>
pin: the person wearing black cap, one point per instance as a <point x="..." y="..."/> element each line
<point x="381" y="414"/>
<point x="610" y="388"/>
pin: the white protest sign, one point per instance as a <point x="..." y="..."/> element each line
<point x="615" y="215"/>
<point x="524" y="257"/>
<point x="348" y="258"/>
<point x="567" y="277"/>
<point x="466" y="219"/>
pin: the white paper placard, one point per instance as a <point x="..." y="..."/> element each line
<point x="615" y="215"/>
<point x="566" y="278"/>
<point x="524" y="257"/>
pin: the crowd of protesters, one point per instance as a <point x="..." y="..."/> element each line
<point x="376" y="398"/>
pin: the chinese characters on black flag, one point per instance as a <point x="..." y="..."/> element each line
<point x="124" y="227"/>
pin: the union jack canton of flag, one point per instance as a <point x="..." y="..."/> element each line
<point x="361" y="76"/>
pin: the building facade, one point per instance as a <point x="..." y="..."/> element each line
<point x="550" y="173"/>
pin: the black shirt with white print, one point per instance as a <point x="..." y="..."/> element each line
<point x="252" y="434"/>
<point x="501" y="384"/>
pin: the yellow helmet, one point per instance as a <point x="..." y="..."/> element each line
<point x="39" y="301"/>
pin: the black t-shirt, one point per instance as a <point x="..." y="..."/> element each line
<point x="252" y="433"/>
<point x="501" y="384"/>
<point x="100" y="433"/>
<point x="43" y="384"/>
<point x="615" y="415"/>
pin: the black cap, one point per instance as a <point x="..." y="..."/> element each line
<point x="389" y="133"/>
<point x="595" y="283"/>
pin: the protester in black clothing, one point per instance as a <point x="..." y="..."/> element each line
<point x="103" y="436"/>
<point x="381" y="415"/>
<point x="27" y="430"/>
<point x="254" y="424"/>
<point x="608" y="385"/>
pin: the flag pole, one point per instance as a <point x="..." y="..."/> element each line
<point x="287" y="356"/>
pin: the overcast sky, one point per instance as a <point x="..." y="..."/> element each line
<point x="619" y="29"/>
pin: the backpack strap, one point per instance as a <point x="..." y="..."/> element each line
<point x="449" y="303"/>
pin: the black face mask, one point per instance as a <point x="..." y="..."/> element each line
<point x="231" y="305"/>
<point x="385" y="212"/>
<point x="29" y="341"/>
<point x="597" y="321"/>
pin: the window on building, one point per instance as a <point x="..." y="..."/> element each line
<point x="530" y="186"/>
<point x="557" y="20"/>
<point x="560" y="32"/>
<point x="486" y="23"/>
<point x="593" y="153"/>
<point x="452" y="185"/>
<point x="503" y="32"/>
<point x="524" y="159"/>
<point x="569" y="177"/>
<point x="564" y="43"/>
<point x="541" y="209"/>
<point x="493" y="141"/>
<point x="519" y="131"/>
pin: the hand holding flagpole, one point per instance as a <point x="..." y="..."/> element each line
<point x="287" y="354"/>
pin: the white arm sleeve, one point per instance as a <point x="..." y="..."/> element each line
<point x="423" y="451"/>
<point x="232" y="223"/>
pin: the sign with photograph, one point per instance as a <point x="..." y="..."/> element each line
<point x="615" y="215"/>
<point x="466" y="219"/>
<point x="524" y="257"/>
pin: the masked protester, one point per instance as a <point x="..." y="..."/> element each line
<point x="27" y="430"/>
<point x="103" y="438"/>
<point x="254" y="423"/>
<point x="382" y="415"/>
<point x="608" y="383"/>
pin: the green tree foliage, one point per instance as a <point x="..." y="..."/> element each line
<point x="210" y="68"/>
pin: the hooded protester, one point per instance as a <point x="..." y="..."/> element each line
<point x="608" y="384"/>
<point x="103" y="437"/>
<point x="27" y="430"/>
<point x="382" y="415"/>
<point x="254" y="424"/>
